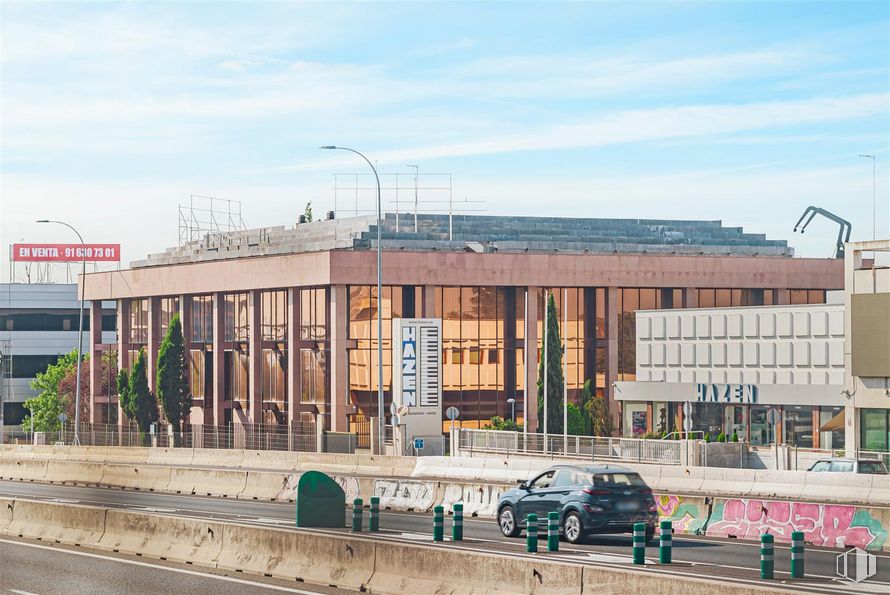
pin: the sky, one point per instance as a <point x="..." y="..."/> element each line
<point x="114" y="114"/>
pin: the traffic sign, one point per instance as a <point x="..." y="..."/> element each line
<point x="687" y="424"/>
<point x="452" y="413"/>
<point x="687" y="409"/>
<point x="774" y="416"/>
<point x="63" y="418"/>
<point x="418" y="444"/>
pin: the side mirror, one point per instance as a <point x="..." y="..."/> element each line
<point x="522" y="484"/>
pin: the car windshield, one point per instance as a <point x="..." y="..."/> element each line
<point x="618" y="480"/>
<point x="821" y="466"/>
<point x="871" y="467"/>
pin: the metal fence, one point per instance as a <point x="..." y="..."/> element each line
<point x="297" y="436"/>
<point x="588" y="447"/>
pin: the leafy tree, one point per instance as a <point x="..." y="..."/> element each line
<point x="49" y="402"/>
<point x="124" y="397"/>
<point x="173" y="390"/>
<point x="307" y="212"/>
<point x="499" y="423"/>
<point x="601" y="421"/>
<point x="554" y="374"/>
<point x="144" y="403"/>
<point x="575" y="419"/>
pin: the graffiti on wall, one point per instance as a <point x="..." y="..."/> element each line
<point x="829" y="525"/>
<point x="686" y="516"/>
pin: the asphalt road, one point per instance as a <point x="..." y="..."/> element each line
<point x="30" y="567"/>
<point x="732" y="560"/>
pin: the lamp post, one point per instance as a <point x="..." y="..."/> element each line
<point x="380" y="414"/>
<point x="512" y="403"/>
<point x="874" y="212"/>
<point x="83" y="273"/>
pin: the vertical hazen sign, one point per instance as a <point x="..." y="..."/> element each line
<point x="417" y="378"/>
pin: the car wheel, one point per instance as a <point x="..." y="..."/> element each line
<point x="507" y="522"/>
<point x="572" y="528"/>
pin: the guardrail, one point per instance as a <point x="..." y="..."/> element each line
<point x="668" y="452"/>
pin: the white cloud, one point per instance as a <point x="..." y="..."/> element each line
<point x="648" y="125"/>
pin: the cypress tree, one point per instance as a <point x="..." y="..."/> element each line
<point x="554" y="374"/>
<point x="173" y="391"/>
<point x="145" y="404"/>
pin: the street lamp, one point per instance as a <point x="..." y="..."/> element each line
<point x="380" y="414"/>
<point x="83" y="273"/>
<point x="512" y="403"/>
<point x="874" y="215"/>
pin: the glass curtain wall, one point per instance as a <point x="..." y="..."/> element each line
<point x="362" y="353"/>
<point x="237" y="355"/>
<point x="273" y="324"/>
<point x="200" y="346"/>
<point x="631" y="299"/>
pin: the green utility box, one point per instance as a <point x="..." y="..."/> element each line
<point x="321" y="502"/>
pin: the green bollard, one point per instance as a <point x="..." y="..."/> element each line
<point x="553" y="531"/>
<point x="664" y="542"/>
<point x="639" y="543"/>
<point x="797" y="554"/>
<point x="766" y="556"/>
<point x="531" y="532"/>
<point x="457" y="522"/>
<point x="439" y="523"/>
<point x="357" y="515"/>
<point x="374" y="517"/>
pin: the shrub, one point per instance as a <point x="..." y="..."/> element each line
<point x="721" y="437"/>
<point x="707" y="436"/>
<point x="735" y="436"/>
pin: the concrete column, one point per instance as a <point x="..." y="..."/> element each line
<point x="428" y="308"/>
<point x="123" y="356"/>
<point x="339" y="363"/>
<point x="531" y="361"/>
<point x="95" y="339"/>
<point x="612" y="336"/>
<point x="255" y="355"/>
<point x="293" y="354"/>
<point x="219" y="334"/>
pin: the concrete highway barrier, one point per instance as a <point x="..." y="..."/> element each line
<point x="322" y="558"/>
<point x="6" y="506"/>
<point x="330" y="558"/>
<point x="70" y="523"/>
<point x="720" y="513"/>
<point x="136" y="477"/>
<point x="165" y="537"/>
<point x="80" y="473"/>
<point x="24" y="469"/>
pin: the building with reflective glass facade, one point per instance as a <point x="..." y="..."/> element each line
<point x="281" y="322"/>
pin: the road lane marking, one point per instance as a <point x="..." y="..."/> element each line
<point x="161" y="567"/>
<point x="17" y="592"/>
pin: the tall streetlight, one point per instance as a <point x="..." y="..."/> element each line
<point x="416" y="175"/>
<point x="874" y="211"/>
<point x="380" y="414"/>
<point x="83" y="283"/>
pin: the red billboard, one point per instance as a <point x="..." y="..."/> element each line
<point x="66" y="252"/>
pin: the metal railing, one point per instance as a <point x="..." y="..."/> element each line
<point x="588" y="447"/>
<point x="297" y="436"/>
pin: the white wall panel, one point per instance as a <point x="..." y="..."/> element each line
<point x="750" y="326"/>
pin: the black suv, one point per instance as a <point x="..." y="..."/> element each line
<point x="589" y="499"/>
